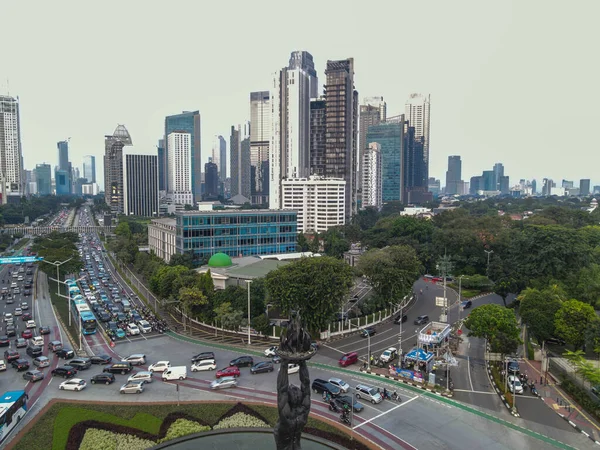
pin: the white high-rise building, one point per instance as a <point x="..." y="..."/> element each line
<point x="260" y="137"/>
<point x="371" y="177"/>
<point x="417" y="110"/>
<point x="289" y="155"/>
<point x="180" y="168"/>
<point x="320" y="202"/>
<point x="11" y="156"/>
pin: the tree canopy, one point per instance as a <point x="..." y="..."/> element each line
<point x="58" y="247"/>
<point x="496" y="324"/>
<point x="571" y="321"/>
<point x="538" y="310"/>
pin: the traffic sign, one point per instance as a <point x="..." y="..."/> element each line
<point x="441" y="301"/>
<point x="20" y="259"/>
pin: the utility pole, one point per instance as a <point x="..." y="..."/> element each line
<point x="445" y="266"/>
<point x="489" y="252"/>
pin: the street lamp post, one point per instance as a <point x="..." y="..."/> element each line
<point x="489" y="252"/>
<point x="57" y="264"/>
<point x="459" y="294"/>
<point x="249" y="282"/>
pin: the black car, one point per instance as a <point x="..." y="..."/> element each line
<point x="64" y="371"/>
<point x="513" y="367"/>
<point x="34" y="350"/>
<point x="347" y="400"/>
<point x="44" y="330"/>
<point x="4" y="341"/>
<point x="65" y="353"/>
<point x="466" y="304"/>
<point x="242" y="361"/>
<point x="106" y="378"/>
<point x="20" y="364"/>
<point x="103" y="316"/>
<point x="101" y="359"/>
<point x="80" y="363"/>
<point x="202" y="356"/>
<point x="555" y="341"/>
<point x="261" y="367"/>
<point x="319" y="386"/>
<point x="421" y="320"/>
<point x="397" y="319"/>
<point x="368" y="331"/>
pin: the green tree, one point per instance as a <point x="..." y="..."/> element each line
<point x="191" y="299"/>
<point x="391" y="271"/>
<point x="538" y="310"/>
<point x="58" y="247"/>
<point x="335" y="244"/>
<point x="315" y="287"/>
<point x="505" y="286"/>
<point x="302" y="242"/>
<point x="184" y="259"/>
<point x="261" y="324"/>
<point x="587" y="286"/>
<point x="167" y="280"/>
<point x="315" y="244"/>
<point x="123" y="230"/>
<point x="222" y="311"/>
<point x="572" y="319"/>
<point x="496" y="324"/>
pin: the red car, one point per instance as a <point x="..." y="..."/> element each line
<point x="231" y="371"/>
<point x="27" y="334"/>
<point x="25" y="317"/>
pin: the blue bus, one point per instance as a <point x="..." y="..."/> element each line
<point x="82" y="312"/>
<point x="13" y="406"/>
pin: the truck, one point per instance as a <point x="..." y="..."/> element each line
<point x="175" y="373"/>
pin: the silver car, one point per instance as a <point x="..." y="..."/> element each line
<point x="222" y="383"/>
<point x="132" y="387"/>
<point x="41" y="361"/>
<point x="137" y="359"/>
<point x="145" y="376"/>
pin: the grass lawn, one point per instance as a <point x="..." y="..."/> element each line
<point x="62" y="307"/>
<point x="55" y="425"/>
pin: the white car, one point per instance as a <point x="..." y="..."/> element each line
<point x="205" y="364"/>
<point x="144" y="376"/>
<point x="2" y="365"/>
<point x="514" y="384"/>
<point x="145" y="326"/>
<point x="31" y="324"/>
<point x="37" y="340"/>
<point x="18" y="312"/>
<point x="292" y="368"/>
<point x="222" y="383"/>
<point x="388" y="355"/>
<point x="159" y="366"/>
<point x="24" y="306"/>
<point x="270" y="352"/>
<point x="133" y="329"/>
<point x="344" y="387"/>
<point x="74" y="384"/>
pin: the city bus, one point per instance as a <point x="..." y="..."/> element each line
<point x="84" y="315"/>
<point x="13" y="406"/>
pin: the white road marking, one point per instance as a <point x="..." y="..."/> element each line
<point x="474" y="392"/>
<point x="469" y="371"/>
<point x="51" y="379"/>
<point x="386" y="412"/>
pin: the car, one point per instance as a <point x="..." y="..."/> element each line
<point x="64" y="371"/>
<point x="137" y="359"/>
<point x="231" y="371"/>
<point x="11" y="355"/>
<point x="292" y="368"/>
<point x="26" y="316"/>
<point x="81" y="363"/>
<point x="24" y="306"/>
<point x="261" y="367"/>
<point x="103" y="316"/>
<point x="37" y="340"/>
<point x="144" y="325"/>
<point x="159" y="366"/>
<point x="404" y="318"/>
<point x="466" y="304"/>
<point x="276" y="359"/>
<point x="44" y="330"/>
<point x="31" y="324"/>
<point x="4" y="341"/>
<point x="26" y="292"/>
<point x="319" y="386"/>
<point x="341" y="384"/>
<point x="74" y="384"/>
<point x="367" y="331"/>
<point x="514" y="384"/>
<point x="101" y="359"/>
<point x="2" y="365"/>
<point x="11" y="330"/>
<point x="203" y="356"/>
<point x="120" y="333"/>
<point x="20" y="364"/>
<point x="242" y="361"/>
<point x="513" y="367"/>
<point x="20" y="343"/>
<point x="223" y="383"/>
<point x="555" y="341"/>
<point x="132" y="387"/>
<point x="9" y="299"/>
<point x="144" y="375"/>
<point x="421" y="320"/>
<point x="204" y="364"/>
<point x="271" y="351"/>
<point x="34" y="350"/>
<point x="41" y="362"/>
<point x="65" y="353"/>
<point x="33" y="375"/>
<point x="105" y="378"/>
<point x="18" y="312"/>
<point x="344" y="401"/>
<point x="388" y="355"/>
<point x="369" y="393"/>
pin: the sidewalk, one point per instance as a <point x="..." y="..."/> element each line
<point x="560" y="402"/>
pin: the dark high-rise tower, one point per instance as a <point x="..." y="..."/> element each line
<point x="498" y="174"/>
<point x="341" y="121"/>
<point x="239" y="154"/>
<point x="63" y="155"/>
<point x="140" y="182"/>
<point x="317" y="137"/>
<point x="584" y="187"/>
<point x="162" y="165"/>
<point x="222" y="158"/>
<point x="211" y="180"/>
<point x="453" y="175"/>
<point x="113" y="168"/>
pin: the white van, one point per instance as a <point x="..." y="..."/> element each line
<point x="126" y="305"/>
<point x="175" y="373"/>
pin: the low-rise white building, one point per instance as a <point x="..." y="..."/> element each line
<point x="320" y="202"/>
<point x="162" y="238"/>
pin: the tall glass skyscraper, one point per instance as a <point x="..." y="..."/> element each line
<point x="11" y="155"/>
<point x="390" y="136"/>
<point x="63" y="155"/>
<point x="89" y="168"/>
<point x="43" y="178"/>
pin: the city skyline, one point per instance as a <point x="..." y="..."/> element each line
<point x="474" y="83"/>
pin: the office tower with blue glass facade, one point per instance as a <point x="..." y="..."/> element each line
<point x="89" y="168"/>
<point x="187" y="122"/>
<point x="63" y="155"/>
<point x="390" y="136"/>
<point x="235" y="233"/>
<point x="43" y="178"/>
<point x="62" y="180"/>
<point x="162" y="165"/>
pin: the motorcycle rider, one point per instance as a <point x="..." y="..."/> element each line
<point x="386" y="395"/>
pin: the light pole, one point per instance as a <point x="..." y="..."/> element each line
<point x="249" y="282"/>
<point x="489" y="252"/>
<point x="57" y="264"/>
<point x="459" y="294"/>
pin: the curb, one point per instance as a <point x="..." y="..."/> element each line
<point x="574" y="425"/>
<point x="401" y="380"/>
<point x="489" y="372"/>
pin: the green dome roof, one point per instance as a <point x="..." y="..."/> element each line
<point x="219" y="260"/>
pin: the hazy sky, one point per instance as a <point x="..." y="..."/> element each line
<point x="516" y="82"/>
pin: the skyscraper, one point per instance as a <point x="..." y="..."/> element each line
<point x="372" y="111"/>
<point x="260" y="136"/>
<point x="417" y="110"/>
<point x="489" y="180"/>
<point x="43" y="175"/>
<point x="341" y="121"/>
<point x="140" y="180"/>
<point x="317" y="137"/>
<point x="304" y="61"/>
<point x="498" y="174"/>
<point x="113" y="168"/>
<point x="162" y="165"/>
<point x="211" y="180"/>
<point x="390" y="137"/>
<point x="63" y="155"/>
<point x="239" y="154"/>
<point x="222" y="158"/>
<point x="584" y="187"/>
<point x="11" y="155"/>
<point x="371" y="177"/>
<point x="188" y="122"/>
<point x="453" y="175"/>
<point x="289" y="155"/>
<point x="89" y="168"/>
<point x="476" y="185"/>
<point x="415" y="182"/>
<point x="180" y="161"/>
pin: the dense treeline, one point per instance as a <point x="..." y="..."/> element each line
<point x="34" y="207"/>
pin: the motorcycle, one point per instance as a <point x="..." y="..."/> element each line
<point x="395" y="397"/>
<point x="333" y="407"/>
<point x="533" y="389"/>
<point x="345" y="419"/>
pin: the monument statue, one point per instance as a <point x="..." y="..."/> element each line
<point x="293" y="402"/>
